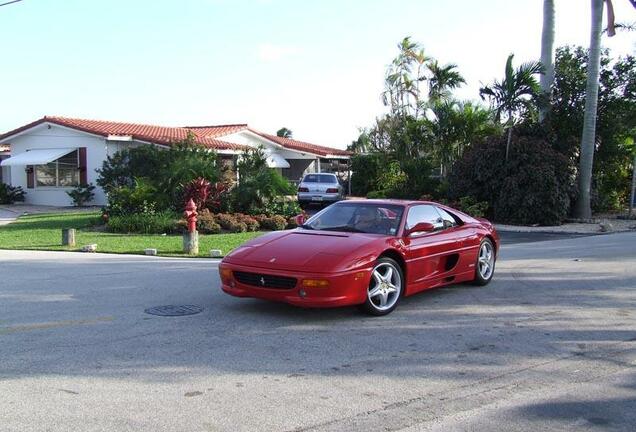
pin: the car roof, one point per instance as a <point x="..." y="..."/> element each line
<point x="389" y="201"/>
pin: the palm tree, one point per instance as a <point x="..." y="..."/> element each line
<point x="547" y="55"/>
<point x="583" y="207"/>
<point x="443" y="80"/>
<point x="284" y="132"/>
<point x="455" y="126"/>
<point x="514" y="93"/>
<point x="402" y="84"/>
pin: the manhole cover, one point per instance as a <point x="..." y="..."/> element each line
<point x="171" y="310"/>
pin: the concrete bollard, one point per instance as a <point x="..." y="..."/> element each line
<point x="150" y="251"/>
<point x="68" y="237"/>
<point x="191" y="243"/>
<point x="215" y="253"/>
<point x="90" y="248"/>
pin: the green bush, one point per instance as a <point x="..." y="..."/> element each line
<point x="377" y="194"/>
<point x="274" y="223"/>
<point x="136" y="199"/>
<point x="533" y="187"/>
<point x="472" y="207"/>
<point x="11" y="194"/>
<point x="366" y="170"/>
<point x="283" y="206"/>
<point x="167" y="172"/>
<point x="258" y="184"/>
<point x="82" y="194"/>
<point x="139" y="223"/>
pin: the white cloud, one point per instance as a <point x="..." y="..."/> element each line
<point x="268" y="52"/>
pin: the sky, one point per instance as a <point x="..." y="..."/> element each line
<point x="315" y="67"/>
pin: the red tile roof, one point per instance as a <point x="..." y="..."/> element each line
<point x="165" y="135"/>
<point x="303" y="146"/>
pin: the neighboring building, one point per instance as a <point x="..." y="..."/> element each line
<point x="5" y="173"/>
<point x="53" y="154"/>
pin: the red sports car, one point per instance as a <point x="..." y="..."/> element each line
<point x="367" y="252"/>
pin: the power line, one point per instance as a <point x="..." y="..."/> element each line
<point x="9" y="2"/>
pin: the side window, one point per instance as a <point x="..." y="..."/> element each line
<point x="424" y="213"/>
<point x="448" y="219"/>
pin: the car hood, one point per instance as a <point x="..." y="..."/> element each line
<point x="302" y="250"/>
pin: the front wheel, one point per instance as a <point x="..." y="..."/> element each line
<point x="485" y="265"/>
<point x="385" y="288"/>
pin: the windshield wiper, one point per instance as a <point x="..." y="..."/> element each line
<point x="344" y="228"/>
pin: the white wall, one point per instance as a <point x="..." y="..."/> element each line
<point x="47" y="136"/>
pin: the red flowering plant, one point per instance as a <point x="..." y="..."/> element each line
<point x="198" y="190"/>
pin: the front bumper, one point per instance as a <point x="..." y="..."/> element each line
<point x="345" y="289"/>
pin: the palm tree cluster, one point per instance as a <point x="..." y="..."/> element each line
<point x="425" y="120"/>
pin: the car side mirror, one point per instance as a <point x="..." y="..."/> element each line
<point x="421" y="227"/>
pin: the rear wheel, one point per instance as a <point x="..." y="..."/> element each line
<point x="385" y="288"/>
<point x="485" y="265"/>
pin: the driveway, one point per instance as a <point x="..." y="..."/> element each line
<point x="550" y="344"/>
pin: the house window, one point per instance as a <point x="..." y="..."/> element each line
<point x="63" y="172"/>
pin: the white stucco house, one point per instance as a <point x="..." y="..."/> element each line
<point x="50" y="156"/>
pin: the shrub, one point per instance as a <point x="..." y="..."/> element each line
<point x="198" y="191"/>
<point x="366" y="171"/>
<point x="166" y="171"/>
<point x="533" y="187"/>
<point x="225" y="220"/>
<point x="274" y="223"/>
<point x="236" y="226"/>
<point x="138" y="199"/>
<point x="282" y="206"/>
<point x="251" y="223"/>
<point x="472" y="207"/>
<point x="218" y="197"/>
<point x="11" y="194"/>
<point x="377" y="194"/>
<point x="82" y="194"/>
<point x="206" y="223"/>
<point x="258" y="184"/>
<point x="155" y="223"/>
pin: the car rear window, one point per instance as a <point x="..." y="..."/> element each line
<point x="320" y="178"/>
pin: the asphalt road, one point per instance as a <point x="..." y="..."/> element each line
<point x="549" y="345"/>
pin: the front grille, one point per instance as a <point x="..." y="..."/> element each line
<point x="264" y="280"/>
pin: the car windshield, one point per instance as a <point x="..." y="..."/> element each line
<point x="320" y="178"/>
<point x="363" y="218"/>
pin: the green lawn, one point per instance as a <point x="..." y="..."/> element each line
<point x="44" y="232"/>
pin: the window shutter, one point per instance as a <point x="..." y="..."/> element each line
<point x="30" y="172"/>
<point x="83" y="172"/>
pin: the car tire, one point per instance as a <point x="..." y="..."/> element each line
<point x="384" y="290"/>
<point x="485" y="263"/>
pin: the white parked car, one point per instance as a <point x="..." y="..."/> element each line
<point x="319" y="188"/>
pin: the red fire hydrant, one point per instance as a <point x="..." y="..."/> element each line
<point x="190" y="214"/>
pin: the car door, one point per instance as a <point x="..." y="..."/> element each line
<point x="466" y="239"/>
<point x="431" y="256"/>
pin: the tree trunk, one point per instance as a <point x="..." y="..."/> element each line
<point x="583" y="208"/>
<point x="510" y="124"/>
<point x="547" y="55"/>
<point x="633" y="194"/>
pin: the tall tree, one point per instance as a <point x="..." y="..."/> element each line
<point x="547" y="55"/>
<point x="583" y="207"/>
<point x="284" y="132"/>
<point x="515" y="93"/>
<point x="443" y="80"/>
